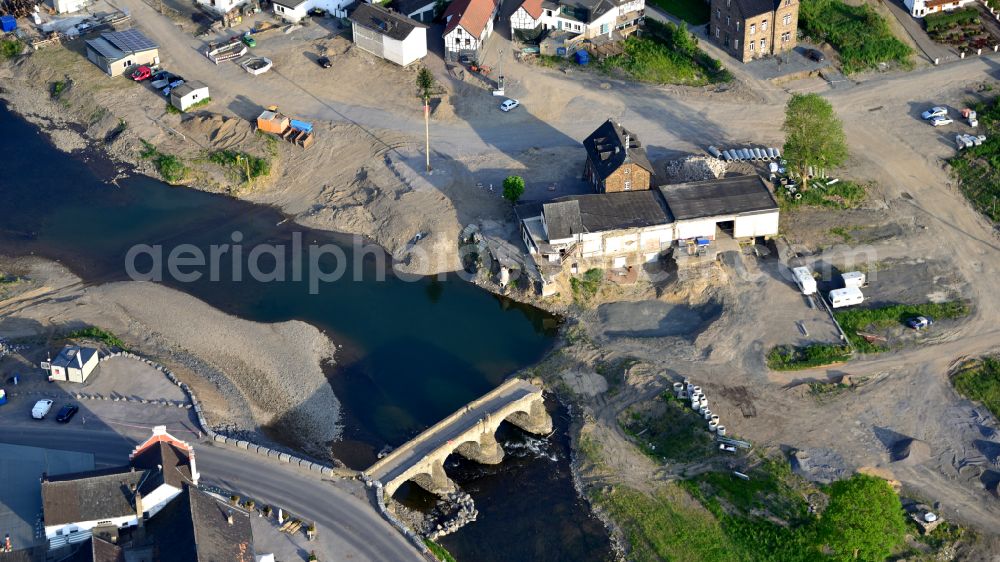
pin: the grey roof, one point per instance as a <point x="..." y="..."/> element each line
<point x="170" y="465"/>
<point x="116" y="45"/>
<point x="92" y="497"/>
<point x="751" y="8"/>
<point x="186" y="88"/>
<point x="606" y="149"/>
<point x="600" y="212"/>
<point x="291" y="4"/>
<point x="73" y="356"/>
<point x="737" y="195"/>
<point x="408" y="7"/>
<point x="381" y="20"/>
<point x="584" y="11"/>
<point x="194" y="527"/>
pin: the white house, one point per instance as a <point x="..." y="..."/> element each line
<point x="420" y="10"/>
<point x="388" y="34"/>
<point x="74" y="504"/>
<point x="73" y="364"/>
<point x="586" y="18"/>
<point x="296" y="10"/>
<point x="187" y="94"/>
<point x="68" y="6"/>
<point x="920" y="8"/>
<point x="468" y="24"/>
<point x="221" y="6"/>
<point x="117" y="51"/>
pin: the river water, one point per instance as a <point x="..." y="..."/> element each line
<point x="414" y="350"/>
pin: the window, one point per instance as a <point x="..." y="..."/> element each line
<point x="628" y="185"/>
<point x="753" y="28"/>
<point x="763" y="45"/>
<point x="751" y="46"/>
<point x="787" y="19"/>
<point x="727" y="20"/>
<point x="736" y="44"/>
<point x="738" y="25"/>
<point x="716" y="32"/>
<point x="468" y="42"/>
<point x="788" y="2"/>
<point x="785" y="37"/>
<point x="763" y="25"/>
<point x="279" y="9"/>
<point x="718" y="14"/>
<point x="626" y="170"/>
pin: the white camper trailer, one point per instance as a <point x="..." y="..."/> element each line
<point x="854" y="279"/>
<point x="804" y="279"/>
<point x="846" y="297"/>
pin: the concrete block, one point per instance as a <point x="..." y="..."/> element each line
<point x="284" y="457"/>
<point x="219" y="438"/>
<point x="242" y="444"/>
<point x="327" y="471"/>
<point x="272" y="453"/>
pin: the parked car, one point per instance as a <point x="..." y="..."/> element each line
<point x="67" y="412"/>
<point x="933" y="112"/>
<point x="324" y="62"/>
<point x="919" y="322"/>
<point x="466" y="60"/>
<point x="41" y="408"/>
<point x="941" y="121"/>
<point x="509" y="104"/>
<point x="162" y="75"/>
<point x="174" y="84"/>
<point x="142" y="73"/>
<point x="816" y="55"/>
<point x="249" y="41"/>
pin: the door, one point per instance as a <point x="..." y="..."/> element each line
<point x="620" y="262"/>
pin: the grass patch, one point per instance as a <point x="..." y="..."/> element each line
<point x="10" y="48"/>
<point x="843" y="233"/>
<point x="58" y="88"/>
<point x="695" y="12"/>
<point x="841" y="195"/>
<point x="861" y="36"/>
<point x="439" y="551"/>
<point x="586" y="286"/>
<point x="591" y="450"/>
<point x="979" y="380"/>
<point x="662" y="527"/>
<point x="794" y="358"/>
<point x="665" y="54"/>
<point x="248" y="166"/>
<point x="674" y="433"/>
<point x="978" y="168"/>
<point x="170" y="167"/>
<point x="98" y="334"/>
<point x="853" y="321"/>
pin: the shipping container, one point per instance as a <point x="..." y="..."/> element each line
<point x="272" y="122"/>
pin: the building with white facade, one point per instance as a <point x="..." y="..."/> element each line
<point x="586" y="18"/>
<point x="420" y="10"/>
<point x="297" y="10"/>
<point x="73" y="364"/>
<point x="187" y="94"/>
<point x="69" y="6"/>
<point x="921" y="8"/>
<point x="389" y="35"/>
<point x="221" y="6"/>
<point x="469" y="23"/>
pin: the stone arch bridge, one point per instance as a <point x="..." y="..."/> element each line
<point x="468" y="432"/>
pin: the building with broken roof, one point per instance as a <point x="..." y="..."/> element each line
<point x="468" y="24"/>
<point x="585" y="19"/>
<point x="388" y="34"/>
<point x="115" y="52"/>
<point x="122" y="497"/>
<point x="752" y="29"/>
<point x="616" y="160"/>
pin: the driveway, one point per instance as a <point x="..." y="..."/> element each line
<point x="915" y="29"/>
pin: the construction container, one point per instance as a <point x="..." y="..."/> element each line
<point x="272" y="122"/>
<point x="853" y="279"/>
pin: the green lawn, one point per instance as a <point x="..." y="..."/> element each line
<point x="980" y="380"/>
<point x="794" y="358"/>
<point x="978" y="168"/>
<point x="860" y="319"/>
<point x="841" y="195"/>
<point x="861" y="36"/>
<point x="695" y="12"/>
<point x="665" y="54"/>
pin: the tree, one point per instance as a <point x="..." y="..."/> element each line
<point x="814" y="135"/>
<point x="425" y="83"/>
<point x="864" y="520"/>
<point x="513" y="188"/>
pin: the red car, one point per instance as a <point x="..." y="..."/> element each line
<point x="142" y="73"/>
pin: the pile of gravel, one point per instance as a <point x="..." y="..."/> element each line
<point x="694" y="168"/>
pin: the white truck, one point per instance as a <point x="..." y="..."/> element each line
<point x="848" y="296"/>
<point x="804" y="279"/>
<point x="41" y="408"/>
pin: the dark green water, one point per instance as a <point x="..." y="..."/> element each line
<point x="414" y="351"/>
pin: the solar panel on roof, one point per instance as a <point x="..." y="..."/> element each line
<point x="106" y="49"/>
<point x="130" y="40"/>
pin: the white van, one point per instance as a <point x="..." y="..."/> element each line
<point x="804" y="279"/>
<point x="853" y="279"/>
<point x="849" y="296"/>
<point x="41" y="408"/>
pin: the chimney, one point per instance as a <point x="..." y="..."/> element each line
<point x="138" y="506"/>
<point x="229" y="517"/>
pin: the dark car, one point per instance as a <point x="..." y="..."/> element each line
<point x="324" y="62"/>
<point x="67" y="412"/>
<point x="815" y="55"/>
<point x="162" y="75"/>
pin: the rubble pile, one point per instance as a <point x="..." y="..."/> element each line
<point x="694" y="168"/>
<point x="453" y="512"/>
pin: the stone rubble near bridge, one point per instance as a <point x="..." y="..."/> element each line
<point x="451" y="513"/>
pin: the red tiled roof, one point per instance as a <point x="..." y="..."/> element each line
<point x="472" y="15"/>
<point x="533" y="7"/>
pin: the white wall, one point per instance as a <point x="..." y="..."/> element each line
<point x="405" y="52"/>
<point x="551" y="19"/>
<point x="159" y="498"/>
<point x="68" y="6"/>
<point x="293" y="15"/>
<point x="521" y="19"/>
<point x="69" y="528"/>
<point x="190" y="99"/>
<point x="698" y="227"/>
<point x="919" y="9"/>
<point x="764" y="224"/>
<point x="460" y="35"/>
<point x="220" y="6"/>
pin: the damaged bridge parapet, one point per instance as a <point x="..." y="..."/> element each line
<point x="470" y="432"/>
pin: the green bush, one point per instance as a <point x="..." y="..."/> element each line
<point x="170" y="167"/>
<point x="859" y="33"/>
<point x="10" y="48"/>
<point x="861" y="319"/>
<point x="439" y="551"/>
<point x="247" y="165"/>
<point x="945" y="20"/>
<point x="980" y="380"/>
<point x="98" y="334"/>
<point x="794" y="358"/>
<point x="864" y="520"/>
<point x="666" y="54"/>
<point x="841" y="195"/>
<point x="588" y="285"/>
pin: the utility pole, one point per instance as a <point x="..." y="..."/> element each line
<point x="427" y="130"/>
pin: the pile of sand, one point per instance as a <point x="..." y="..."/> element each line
<point x="220" y="131"/>
<point x="910" y="452"/>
